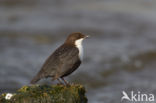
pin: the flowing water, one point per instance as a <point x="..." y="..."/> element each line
<point x="120" y="54"/>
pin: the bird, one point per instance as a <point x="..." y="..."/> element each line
<point x="64" y="60"/>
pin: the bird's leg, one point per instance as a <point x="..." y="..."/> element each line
<point x="65" y="81"/>
<point x="59" y="81"/>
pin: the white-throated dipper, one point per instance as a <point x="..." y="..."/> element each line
<point x="65" y="59"/>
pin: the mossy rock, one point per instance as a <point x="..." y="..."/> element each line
<point x="47" y="94"/>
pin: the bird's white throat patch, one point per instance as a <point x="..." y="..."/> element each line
<point x="79" y="45"/>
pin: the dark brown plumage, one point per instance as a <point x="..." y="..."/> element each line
<point x="63" y="61"/>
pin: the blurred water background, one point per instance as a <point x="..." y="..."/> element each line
<point x="120" y="54"/>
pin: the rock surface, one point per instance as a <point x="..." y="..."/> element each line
<point x="46" y="94"/>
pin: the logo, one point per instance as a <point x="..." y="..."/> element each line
<point x="137" y="97"/>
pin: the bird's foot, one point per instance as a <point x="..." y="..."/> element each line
<point x="60" y="82"/>
<point x="66" y="82"/>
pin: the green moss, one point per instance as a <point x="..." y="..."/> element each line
<point x="48" y="94"/>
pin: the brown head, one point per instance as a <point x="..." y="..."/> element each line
<point x="72" y="38"/>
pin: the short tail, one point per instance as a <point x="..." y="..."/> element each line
<point x="35" y="79"/>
